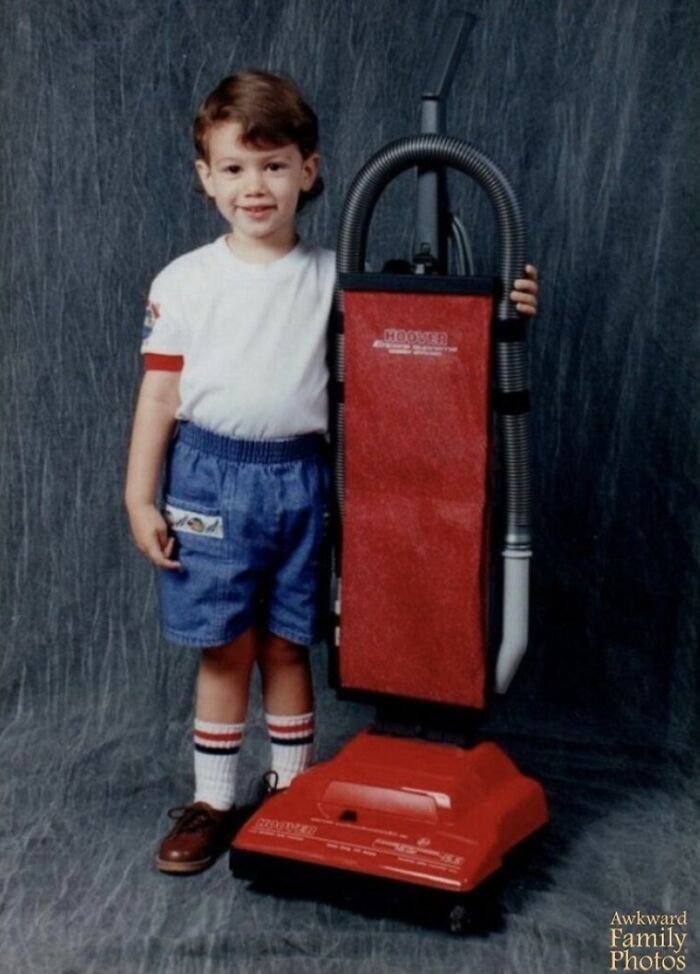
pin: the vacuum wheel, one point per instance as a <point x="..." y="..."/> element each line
<point x="479" y="912"/>
<point x="458" y="920"/>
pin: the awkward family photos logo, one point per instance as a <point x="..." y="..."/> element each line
<point x="648" y="941"/>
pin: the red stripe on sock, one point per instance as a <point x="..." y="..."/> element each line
<point x="283" y="730"/>
<point x="208" y="736"/>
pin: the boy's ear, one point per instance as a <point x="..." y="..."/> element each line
<point x="310" y="167"/>
<point x="205" y="177"/>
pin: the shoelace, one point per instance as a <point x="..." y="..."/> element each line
<point x="189" y="819"/>
<point x="270" y="781"/>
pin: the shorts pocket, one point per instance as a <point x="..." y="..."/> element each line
<point x="195" y="521"/>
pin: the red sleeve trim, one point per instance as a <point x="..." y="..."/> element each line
<point x="162" y="363"/>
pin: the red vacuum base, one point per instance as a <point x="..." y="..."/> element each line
<point x="432" y="815"/>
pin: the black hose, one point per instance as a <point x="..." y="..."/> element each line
<point x="511" y="364"/>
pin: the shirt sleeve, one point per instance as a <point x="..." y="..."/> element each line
<point x="162" y="344"/>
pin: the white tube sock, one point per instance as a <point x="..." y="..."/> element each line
<point x="292" y="741"/>
<point x="216" y="748"/>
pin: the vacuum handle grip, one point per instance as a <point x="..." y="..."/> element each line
<point x="458" y="26"/>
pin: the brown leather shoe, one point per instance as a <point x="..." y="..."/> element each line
<point x="200" y="834"/>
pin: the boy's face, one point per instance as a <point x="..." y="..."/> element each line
<point x="255" y="190"/>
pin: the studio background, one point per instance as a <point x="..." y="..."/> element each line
<point x="592" y="110"/>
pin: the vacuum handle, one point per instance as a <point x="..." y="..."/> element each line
<point x="457" y="28"/>
<point x="432" y="205"/>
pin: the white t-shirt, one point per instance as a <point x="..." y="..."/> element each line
<point x="253" y="338"/>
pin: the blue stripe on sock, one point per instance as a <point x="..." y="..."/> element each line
<point x="290" y="743"/>
<point x="203" y="749"/>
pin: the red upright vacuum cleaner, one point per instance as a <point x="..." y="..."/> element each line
<point x="414" y="811"/>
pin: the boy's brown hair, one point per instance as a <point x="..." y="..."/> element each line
<point x="271" y="111"/>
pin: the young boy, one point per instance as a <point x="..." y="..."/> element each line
<point x="233" y="405"/>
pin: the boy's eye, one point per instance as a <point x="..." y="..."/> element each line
<point x="233" y="169"/>
<point x="276" y="166"/>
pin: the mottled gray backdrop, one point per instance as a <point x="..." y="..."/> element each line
<point x="592" y="109"/>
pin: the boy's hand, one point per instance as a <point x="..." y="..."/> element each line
<point x="149" y="530"/>
<point x="525" y="290"/>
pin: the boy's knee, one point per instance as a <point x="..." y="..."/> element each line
<point x="236" y="655"/>
<point x="278" y="652"/>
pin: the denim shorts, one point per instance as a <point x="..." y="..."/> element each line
<point x="251" y="522"/>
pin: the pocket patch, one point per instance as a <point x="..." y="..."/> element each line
<point x="191" y="522"/>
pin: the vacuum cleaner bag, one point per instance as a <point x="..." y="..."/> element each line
<point x="415" y="524"/>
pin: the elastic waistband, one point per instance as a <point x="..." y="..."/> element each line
<point x="253" y="451"/>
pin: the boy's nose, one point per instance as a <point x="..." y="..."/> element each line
<point x="254" y="183"/>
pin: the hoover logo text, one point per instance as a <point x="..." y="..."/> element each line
<point x="414" y="341"/>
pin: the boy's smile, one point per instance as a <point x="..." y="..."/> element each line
<point x="256" y="190"/>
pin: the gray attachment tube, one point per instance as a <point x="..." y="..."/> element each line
<point x="463" y="247"/>
<point x="511" y="365"/>
<point x="516" y="585"/>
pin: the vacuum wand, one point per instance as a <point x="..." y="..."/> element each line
<point x="432" y="207"/>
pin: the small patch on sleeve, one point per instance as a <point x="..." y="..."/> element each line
<point x="152" y="315"/>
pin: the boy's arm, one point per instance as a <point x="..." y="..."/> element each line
<point x="154" y="421"/>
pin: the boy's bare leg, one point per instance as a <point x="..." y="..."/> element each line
<point x="224" y="678"/>
<point x="221" y="704"/>
<point x="286" y="676"/>
<point x="288" y="700"/>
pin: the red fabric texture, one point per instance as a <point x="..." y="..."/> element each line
<point x="417" y="424"/>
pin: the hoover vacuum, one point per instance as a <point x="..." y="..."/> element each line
<point x="414" y="811"/>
